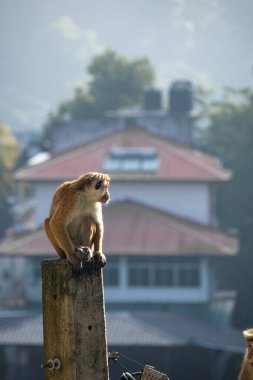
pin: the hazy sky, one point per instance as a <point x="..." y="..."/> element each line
<point x="45" y="46"/>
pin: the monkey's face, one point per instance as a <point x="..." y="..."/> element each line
<point x="248" y="335"/>
<point x="99" y="191"/>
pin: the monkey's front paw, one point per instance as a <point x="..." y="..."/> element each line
<point x="99" y="260"/>
<point x="83" y="253"/>
<point x="76" y="265"/>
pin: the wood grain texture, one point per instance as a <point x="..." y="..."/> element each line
<point x="73" y="322"/>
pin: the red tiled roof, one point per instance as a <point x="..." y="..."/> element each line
<point x="177" y="162"/>
<point x="135" y="229"/>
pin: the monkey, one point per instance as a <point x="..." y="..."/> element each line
<point x="75" y="223"/>
<point x="246" y="372"/>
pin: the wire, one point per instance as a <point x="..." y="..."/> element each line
<point x="128" y="375"/>
<point x="121" y="365"/>
<point x="132" y="360"/>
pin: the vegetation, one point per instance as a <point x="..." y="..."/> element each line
<point x="8" y="155"/>
<point x="115" y="81"/>
<point x="230" y="137"/>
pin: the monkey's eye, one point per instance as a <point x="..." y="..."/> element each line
<point x="98" y="185"/>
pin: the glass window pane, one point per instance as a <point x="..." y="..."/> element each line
<point x="164" y="277"/>
<point x="150" y="165"/>
<point x="130" y="164"/>
<point x="112" y="164"/>
<point x="138" y="277"/>
<point x="188" y="277"/>
<point x="111" y="276"/>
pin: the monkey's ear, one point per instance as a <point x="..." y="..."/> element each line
<point x="98" y="185"/>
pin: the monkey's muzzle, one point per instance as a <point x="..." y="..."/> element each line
<point x="105" y="199"/>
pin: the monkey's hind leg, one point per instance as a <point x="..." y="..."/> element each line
<point x="53" y="240"/>
<point x="99" y="259"/>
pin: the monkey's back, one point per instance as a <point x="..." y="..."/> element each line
<point x="63" y="198"/>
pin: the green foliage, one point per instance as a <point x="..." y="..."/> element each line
<point x="8" y="155"/>
<point x="115" y="81"/>
<point x="230" y="137"/>
<point x="9" y="147"/>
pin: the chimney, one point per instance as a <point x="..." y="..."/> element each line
<point x="152" y="99"/>
<point x="180" y="97"/>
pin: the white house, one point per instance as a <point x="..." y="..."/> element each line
<point x="160" y="237"/>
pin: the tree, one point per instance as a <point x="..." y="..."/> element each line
<point x="230" y="137"/>
<point x="115" y="81"/>
<point x="8" y="155"/>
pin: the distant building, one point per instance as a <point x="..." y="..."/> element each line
<point x="174" y="121"/>
<point x="162" y="245"/>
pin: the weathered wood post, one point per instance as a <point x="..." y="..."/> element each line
<point x="73" y="323"/>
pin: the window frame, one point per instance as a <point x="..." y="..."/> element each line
<point x="132" y="160"/>
<point x="151" y="266"/>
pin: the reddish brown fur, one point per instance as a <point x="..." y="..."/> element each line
<point x="75" y="217"/>
<point x="246" y="372"/>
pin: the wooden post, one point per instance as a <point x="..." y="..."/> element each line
<point x="73" y="323"/>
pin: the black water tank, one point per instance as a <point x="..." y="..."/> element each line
<point x="180" y="97"/>
<point x="152" y="99"/>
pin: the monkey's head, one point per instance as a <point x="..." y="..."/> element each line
<point x="96" y="186"/>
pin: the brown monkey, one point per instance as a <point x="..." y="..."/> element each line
<point x="246" y="372"/>
<point x="75" y="223"/>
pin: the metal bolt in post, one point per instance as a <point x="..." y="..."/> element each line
<point x="52" y="364"/>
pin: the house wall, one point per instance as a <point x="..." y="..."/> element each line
<point x="185" y="199"/>
<point x="125" y="293"/>
<point x="43" y="194"/>
<point x="12" y="288"/>
<point x="32" y="279"/>
<point x="190" y="200"/>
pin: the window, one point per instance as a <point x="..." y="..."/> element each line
<point x="111" y="272"/>
<point x="163" y="276"/>
<point x="129" y="159"/>
<point x="139" y="276"/>
<point x="188" y="276"/>
<point x="163" y="272"/>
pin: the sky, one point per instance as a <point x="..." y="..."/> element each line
<point x="46" y="46"/>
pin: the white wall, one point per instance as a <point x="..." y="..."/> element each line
<point x="43" y="193"/>
<point x="190" y="200"/>
<point x="32" y="280"/>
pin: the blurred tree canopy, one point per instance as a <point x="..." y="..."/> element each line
<point x="8" y="156"/>
<point x="230" y="137"/>
<point x="115" y="81"/>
